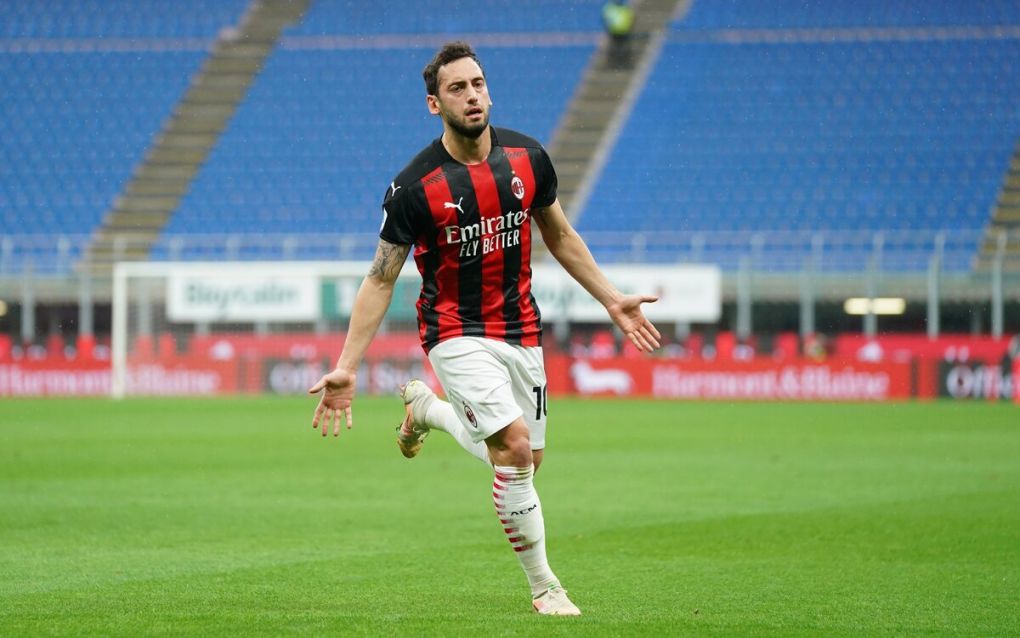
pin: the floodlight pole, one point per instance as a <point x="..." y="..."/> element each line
<point x="934" y="285"/>
<point x="997" y="292"/>
<point x="744" y="299"/>
<point x="807" y="298"/>
<point x="807" y="285"/>
<point x="27" y="304"/>
<point x="118" y="336"/>
<point x="86" y="312"/>
<point x="874" y="266"/>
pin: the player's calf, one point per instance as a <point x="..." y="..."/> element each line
<point x="518" y="506"/>
<point x="520" y="513"/>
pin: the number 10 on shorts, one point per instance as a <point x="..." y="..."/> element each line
<point x="541" y="401"/>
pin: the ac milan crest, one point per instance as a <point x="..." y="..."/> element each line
<point x="517" y="186"/>
<point x="470" y="414"/>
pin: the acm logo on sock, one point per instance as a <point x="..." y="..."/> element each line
<point x="526" y="511"/>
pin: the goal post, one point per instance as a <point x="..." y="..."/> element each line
<point x="153" y="300"/>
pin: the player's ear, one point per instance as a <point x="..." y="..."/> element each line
<point x="432" y="102"/>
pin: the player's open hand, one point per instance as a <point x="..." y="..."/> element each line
<point x="337" y="389"/>
<point x="626" y="314"/>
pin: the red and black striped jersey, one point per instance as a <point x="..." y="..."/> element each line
<point x="471" y="230"/>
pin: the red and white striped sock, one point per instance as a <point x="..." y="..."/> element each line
<point x="520" y="513"/>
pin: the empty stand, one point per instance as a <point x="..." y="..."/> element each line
<point x="794" y="117"/>
<point x="356" y="18"/>
<point x="814" y="14"/>
<point x="1001" y="246"/>
<point x="74" y="125"/>
<point x="87" y="84"/>
<point x="175" y="155"/>
<point x="322" y="133"/>
<point x="813" y="133"/>
<point x="136" y="19"/>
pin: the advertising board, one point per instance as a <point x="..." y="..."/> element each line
<point x="233" y="293"/>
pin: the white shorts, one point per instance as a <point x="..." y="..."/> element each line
<point x="490" y="383"/>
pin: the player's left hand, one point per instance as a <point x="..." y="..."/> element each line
<point x="626" y="314"/>
<point x="337" y="389"/>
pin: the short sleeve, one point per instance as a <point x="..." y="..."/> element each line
<point x="399" y="223"/>
<point x="545" y="180"/>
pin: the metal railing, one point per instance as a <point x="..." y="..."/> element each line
<point x="906" y="251"/>
<point x="935" y="267"/>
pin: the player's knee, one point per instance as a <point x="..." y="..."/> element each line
<point x="521" y="450"/>
<point x="511" y="446"/>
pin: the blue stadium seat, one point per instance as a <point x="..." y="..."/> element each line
<point x="836" y="136"/>
<point x="58" y="19"/>
<point x="84" y="121"/>
<point x="85" y="90"/>
<point x="793" y="14"/>
<point x="356" y="18"/>
<point x="323" y="132"/>
<point x="728" y="134"/>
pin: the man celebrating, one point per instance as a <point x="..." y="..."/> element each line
<point x="466" y="203"/>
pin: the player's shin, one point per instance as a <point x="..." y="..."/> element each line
<point x="520" y="513"/>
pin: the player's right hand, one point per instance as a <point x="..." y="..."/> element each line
<point x="626" y="314"/>
<point x="337" y="389"/>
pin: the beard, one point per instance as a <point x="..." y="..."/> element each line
<point x="470" y="131"/>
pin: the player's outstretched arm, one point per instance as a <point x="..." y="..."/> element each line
<point x="570" y="250"/>
<point x="370" y="305"/>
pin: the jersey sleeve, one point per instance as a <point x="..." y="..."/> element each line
<point x="399" y="223"/>
<point x="545" y="180"/>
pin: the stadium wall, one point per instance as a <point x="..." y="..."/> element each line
<point x="955" y="367"/>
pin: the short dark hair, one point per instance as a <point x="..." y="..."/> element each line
<point x="451" y="51"/>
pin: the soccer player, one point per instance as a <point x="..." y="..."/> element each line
<point x="466" y="204"/>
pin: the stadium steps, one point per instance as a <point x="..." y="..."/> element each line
<point x="1003" y="233"/>
<point x="600" y="95"/>
<point x="155" y="189"/>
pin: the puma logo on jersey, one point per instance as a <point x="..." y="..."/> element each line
<point x="457" y="205"/>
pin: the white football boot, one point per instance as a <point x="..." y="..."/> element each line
<point x="412" y="430"/>
<point x="554" y="602"/>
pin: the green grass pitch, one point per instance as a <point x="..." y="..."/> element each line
<point x="232" y="517"/>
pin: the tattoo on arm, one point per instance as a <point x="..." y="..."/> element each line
<point x="389" y="259"/>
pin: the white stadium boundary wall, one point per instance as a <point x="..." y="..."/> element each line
<point x="261" y="292"/>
